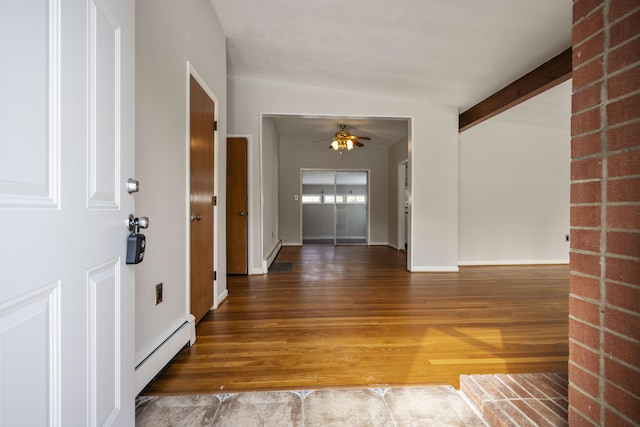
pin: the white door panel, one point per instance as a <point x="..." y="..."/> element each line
<point x="66" y="151"/>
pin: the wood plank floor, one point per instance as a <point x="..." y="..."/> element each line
<point x="353" y="316"/>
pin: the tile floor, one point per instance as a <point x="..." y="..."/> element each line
<point x="524" y="400"/>
<point x="503" y="400"/>
<point x="393" y="407"/>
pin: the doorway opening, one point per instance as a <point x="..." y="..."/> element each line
<point x="334" y="206"/>
<point x="403" y="205"/>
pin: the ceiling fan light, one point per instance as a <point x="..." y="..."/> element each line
<point x="349" y="144"/>
<point x="334" y="144"/>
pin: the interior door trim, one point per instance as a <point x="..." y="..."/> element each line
<point x="250" y="206"/>
<point x="218" y="297"/>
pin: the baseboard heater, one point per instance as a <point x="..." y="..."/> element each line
<point x="152" y="364"/>
<point x="272" y="256"/>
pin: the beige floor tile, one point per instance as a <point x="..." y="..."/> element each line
<point x="352" y="408"/>
<point x="176" y="411"/>
<point x="430" y="406"/>
<point x="264" y="409"/>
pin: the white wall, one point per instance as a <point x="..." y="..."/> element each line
<point x="270" y="191"/>
<point x="433" y="166"/>
<point x="168" y="34"/>
<point x="514" y="194"/>
<point x="295" y="155"/>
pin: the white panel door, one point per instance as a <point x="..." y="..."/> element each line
<point x="66" y="151"/>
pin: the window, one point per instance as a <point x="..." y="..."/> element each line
<point x="311" y="198"/>
<point x="329" y="199"/>
<point x="356" y="199"/>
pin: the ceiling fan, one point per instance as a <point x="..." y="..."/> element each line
<point x="343" y="140"/>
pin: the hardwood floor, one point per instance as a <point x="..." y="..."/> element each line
<point x="353" y="316"/>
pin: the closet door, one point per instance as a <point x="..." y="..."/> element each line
<point x="318" y="207"/>
<point x="351" y="207"/>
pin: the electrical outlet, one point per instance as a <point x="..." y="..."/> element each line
<point x="566" y="237"/>
<point x="158" y="293"/>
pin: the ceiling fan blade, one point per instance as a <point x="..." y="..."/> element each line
<point x="323" y="139"/>
<point x="358" y="144"/>
<point x="354" y="137"/>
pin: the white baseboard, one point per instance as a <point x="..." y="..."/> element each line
<point x="380" y="244"/>
<point x="434" y="269"/>
<point x="153" y="360"/>
<point x="291" y="244"/>
<point x="219" y="299"/>
<point x="271" y="257"/>
<point x="515" y="262"/>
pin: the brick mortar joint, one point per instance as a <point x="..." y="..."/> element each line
<point x="589" y="109"/>
<point x="585" y="275"/>
<point x="613" y="255"/>
<point x="584" y="299"/>
<point x="623" y="177"/>
<point x="625" y="203"/>
<point x="586" y="180"/>
<point x="581" y="345"/>
<point x="586" y="252"/>
<point x="586" y="228"/>
<point x="626" y="150"/>
<point x="587" y="133"/>
<point x="587" y="157"/>
<point x="621" y="18"/>
<point x="624" y="230"/>
<point x="586" y="323"/>
<point x="588" y="15"/>
<point x="585" y="204"/>
<point x="604" y="101"/>
<point x="622" y="310"/>
<point x="629" y="40"/>
<point x="621" y="98"/>
<point x="584" y="64"/>
<point x="628" y="285"/>
<point x="622" y="336"/>
<point x="628" y="67"/>
<point x="588" y="39"/>
<point x="632" y="121"/>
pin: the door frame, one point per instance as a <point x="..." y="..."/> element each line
<point x="250" y="204"/>
<point x="403" y="224"/>
<point x="192" y="72"/>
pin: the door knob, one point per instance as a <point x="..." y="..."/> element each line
<point x="135" y="224"/>
<point x="195" y="217"/>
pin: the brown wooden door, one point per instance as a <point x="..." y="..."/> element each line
<point x="237" y="214"/>
<point x="202" y="114"/>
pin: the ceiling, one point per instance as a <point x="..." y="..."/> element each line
<point x="452" y="52"/>
<point x="319" y="130"/>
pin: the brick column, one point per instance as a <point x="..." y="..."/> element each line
<point x="604" y="301"/>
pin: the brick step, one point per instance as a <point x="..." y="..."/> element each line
<point x="526" y="400"/>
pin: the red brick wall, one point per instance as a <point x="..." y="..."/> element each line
<point x="604" y="304"/>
